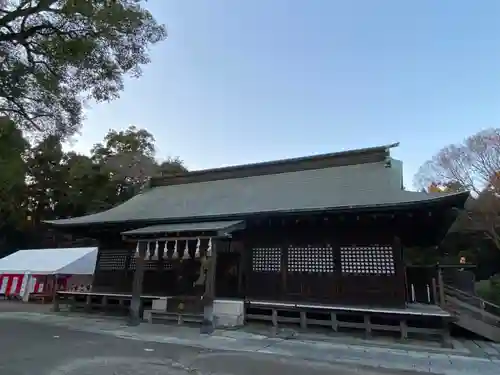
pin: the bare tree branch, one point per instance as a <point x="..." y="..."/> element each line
<point x="473" y="165"/>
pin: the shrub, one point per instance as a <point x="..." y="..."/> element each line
<point x="489" y="289"/>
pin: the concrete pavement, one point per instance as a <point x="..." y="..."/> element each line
<point x="221" y="352"/>
<point x="28" y="348"/>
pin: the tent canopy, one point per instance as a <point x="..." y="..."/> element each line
<point x="69" y="261"/>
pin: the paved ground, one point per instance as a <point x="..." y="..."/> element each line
<point x="41" y="349"/>
<point x="40" y="343"/>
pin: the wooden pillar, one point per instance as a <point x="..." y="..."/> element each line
<point x="303" y="320"/>
<point x="98" y="266"/>
<point x="400" y="267"/>
<point x="435" y="299"/>
<point x="208" y="324"/>
<point x="274" y="315"/>
<point x="334" y="322"/>
<point x="55" y="299"/>
<point x="135" y="303"/>
<point x="403" y="326"/>
<point x="54" y="288"/>
<point x="241" y="270"/>
<point x="368" y="326"/>
<point x="442" y="301"/>
<point x="88" y="303"/>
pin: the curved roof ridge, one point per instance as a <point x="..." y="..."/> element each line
<point x="300" y="158"/>
<point x="277" y="166"/>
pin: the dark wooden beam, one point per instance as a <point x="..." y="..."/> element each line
<point x="135" y="303"/>
<point x="440" y="281"/>
<point x="170" y="239"/>
<point x="208" y="324"/>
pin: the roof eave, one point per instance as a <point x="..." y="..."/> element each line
<point x="460" y="199"/>
<point x="221" y="229"/>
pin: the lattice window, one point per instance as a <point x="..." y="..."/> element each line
<point x="113" y="259"/>
<point x="367" y="260"/>
<point x="318" y="259"/>
<point x="150" y="264"/>
<point x="266" y="259"/>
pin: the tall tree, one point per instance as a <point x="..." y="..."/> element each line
<point x="171" y="166"/>
<point x="43" y="182"/>
<point x="473" y="165"/>
<point x="47" y="182"/>
<point x="129" y="156"/>
<point x="130" y="140"/>
<point x="89" y="188"/>
<point x="55" y="53"/>
<point x="13" y="149"/>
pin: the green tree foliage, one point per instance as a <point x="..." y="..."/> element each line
<point x="54" y="54"/>
<point x="45" y="178"/>
<point x="13" y="149"/>
<point x="128" y="157"/>
<point x="43" y="182"/>
<point x="131" y="140"/>
<point x="489" y="289"/>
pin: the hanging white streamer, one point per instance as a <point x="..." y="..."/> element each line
<point x="175" y="254"/>
<point x="165" y="250"/>
<point x="209" y="248"/>
<point x="148" y="252"/>
<point x="197" y="252"/>
<point x="137" y="250"/>
<point x="157" y="249"/>
<point x="186" y="251"/>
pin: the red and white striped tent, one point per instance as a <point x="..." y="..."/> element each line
<point x="34" y="271"/>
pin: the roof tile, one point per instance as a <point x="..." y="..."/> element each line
<point x="363" y="185"/>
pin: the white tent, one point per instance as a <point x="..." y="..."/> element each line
<point x="64" y="261"/>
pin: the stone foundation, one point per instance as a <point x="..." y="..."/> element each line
<point x="160" y="304"/>
<point x="229" y="313"/>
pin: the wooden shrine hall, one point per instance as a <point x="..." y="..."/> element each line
<point x="323" y="232"/>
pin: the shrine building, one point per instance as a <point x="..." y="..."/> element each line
<point x="320" y="231"/>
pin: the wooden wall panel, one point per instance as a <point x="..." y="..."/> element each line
<point x="310" y="265"/>
<point x="281" y="259"/>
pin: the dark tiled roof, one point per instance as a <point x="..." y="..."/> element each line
<point x="347" y="187"/>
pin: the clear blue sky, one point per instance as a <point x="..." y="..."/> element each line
<point x="242" y="81"/>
